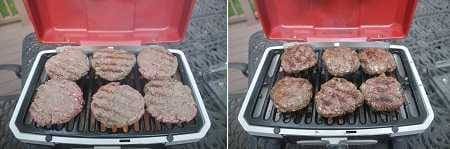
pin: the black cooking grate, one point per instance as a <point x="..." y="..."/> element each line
<point x="261" y="111"/>
<point x="85" y="125"/>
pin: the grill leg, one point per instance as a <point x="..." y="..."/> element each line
<point x="265" y="143"/>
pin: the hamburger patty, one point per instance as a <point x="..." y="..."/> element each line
<point x="340" y="61"/>
<point x="70" y="64"/>
<point x="291" y="94"/>
<point x="156" y="62"/>
<point x="383" y="93"/>
<point x="117" y="105"/>
<point x="56" y="102"/>
<point x="170" y="101"/>
<point x="112" y="64"/>
<point x="298" y="58"/>
<point x="337" y="97"/>
<point x="376" y="61"/>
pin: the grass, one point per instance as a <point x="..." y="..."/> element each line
<point x="3" y="10"/>
<point x="236" y="10"/>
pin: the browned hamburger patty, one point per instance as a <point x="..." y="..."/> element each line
<point x="70" y="64"/>
<point x="337" y="97"/>
<point x="156" y="62"/>
<point x="112" y="64"/>
<point x="170" y="101"/>
<point x="291" y="94"/>
<point x="340" y="61"/>
<point x="117" y="105"/>
<point x="377" y="61"/>
<point x="298" y="58"/>
<point x="161" y="83"/>
<point x="56" y="102"/>
<point x="383" y="93"/>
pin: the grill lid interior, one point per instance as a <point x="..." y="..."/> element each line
<point x="336" y="20"/>
<point x="110" y="22"/>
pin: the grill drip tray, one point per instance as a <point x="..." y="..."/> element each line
<point x="262" y="112"/>
<point x="85" y="125"/>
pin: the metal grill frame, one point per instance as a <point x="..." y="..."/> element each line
<point x="278" y="132"/>
<point x="167" y="140"/>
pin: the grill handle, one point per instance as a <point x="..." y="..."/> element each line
<point x="335" y="143"/>
<point x="337" y="146"/>
<point x="343" y="143"/>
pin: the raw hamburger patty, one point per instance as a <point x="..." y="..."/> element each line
<point x="337" y="97"/>
<point x="298" y="58"/>
<point x="56" y="102"/>
<point x="376" y="61"/>
<point x="383" y="93"/>
<point x="70" y="64"/>
<point x="170" y="101"/>
<point x="156" y="62"/>
<point x="291" y="94"/>
<point x="112" y="64"/>
<point x="117" y="105"/>
<point x="340" y="61"/>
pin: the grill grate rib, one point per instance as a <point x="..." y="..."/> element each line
<point x="262" y="112"/>
<point x="85" y="125"/>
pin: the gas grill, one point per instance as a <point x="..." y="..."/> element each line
<point x="85" y="130"/>
<point x="323" y="24"/>
<point x="259" y="116"/>
<point x="89" y="25"/>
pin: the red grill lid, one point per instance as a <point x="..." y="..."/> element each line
<point x="336" y="20"/>
<point x="110" y="22"/>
